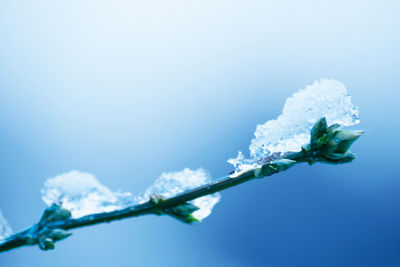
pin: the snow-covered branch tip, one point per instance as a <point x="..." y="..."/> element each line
<point x="300" y="134"/>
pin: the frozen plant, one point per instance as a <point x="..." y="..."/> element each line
<point x="82" y="194"/>
<point x="291" y="130"/>
<point x="173" y="183"/>
<point x="308" y="130"/>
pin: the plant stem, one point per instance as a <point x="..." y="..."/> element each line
<point x="146" y="208"/>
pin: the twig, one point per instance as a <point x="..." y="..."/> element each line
<point x="327" y="144"/>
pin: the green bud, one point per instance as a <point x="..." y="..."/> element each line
<point x="320" y="142"/>
<point x="191" y="219"/>
<point x="273" y="167"/>
<point x="320" y="128"/>
<point x="45" y="243"/>
<point x="60" y="214"/>
<point x="345" y="138"/>
<point x="268" y="169"/>
<point x="330" y="144"/>
<point x="58" y="234"/>
<point x="284" y="164"/>
<point x="337" y="158"/>
<point x="183" y="212"/>
<point x="333" y="128"/>
<point x="48" y="211"/>
<point x="55" y="213"/>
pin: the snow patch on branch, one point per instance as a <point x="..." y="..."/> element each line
<point x="83" y="194"/>
<point x="324" y="98"/>
<point x="173" y="183"/>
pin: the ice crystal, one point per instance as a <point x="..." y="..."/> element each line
<point x="5" y="229"/>
<point x="83" y="194"/>
<point x="324" y="98"/>
<point x="173" y="183"/>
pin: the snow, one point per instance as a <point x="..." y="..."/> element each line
<point x="173" y="183"/>
<point x="83" y="194"/>
<point x="5" y="229"/>
<point x="324" y="98"/>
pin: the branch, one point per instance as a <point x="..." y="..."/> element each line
<point x="327" y="145"/>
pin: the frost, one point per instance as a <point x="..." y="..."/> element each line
<point x="5" y="229"/>
<point x="83" y="194"/>
<point x="324" y="98"/>
<point x="173" y="183"/>
<point x="241" y="163"/>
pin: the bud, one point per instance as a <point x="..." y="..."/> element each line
<point x="191" y="219"/>
<point x="183" y="212"/>
<point x="58" y="234"/>
<point x="320" y="128"/>
<point x="320" y="141"/>
<point x="330" y="144"/>
<point x="55" y="213"/>
<point x="345" y="138"/>
<point x="268" y="169"/>
<point x="333" y="128"/>
<point x="273" y="167"/>
<point x="337" y="158"/>
<point x="45" y="243"/>
<point x="284" y="164"/>
<point x="62" y="214"/>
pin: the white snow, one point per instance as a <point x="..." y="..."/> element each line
<point x="324" y="98"/>
<point x="5" y="229"/>
<point x="173" y="183"/>
<point x="83" y="194"/>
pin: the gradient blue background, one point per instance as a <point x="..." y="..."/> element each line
<point x="129" y="89"/>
